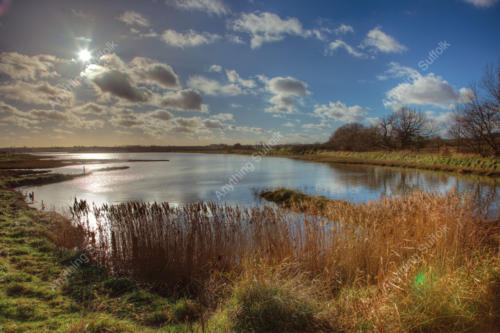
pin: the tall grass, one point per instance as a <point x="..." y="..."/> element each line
<point x="180" y="248"/>
<point x="425" y="262"/>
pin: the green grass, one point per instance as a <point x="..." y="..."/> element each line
<point x="90" y="300"/>
<point x="485" y="166"/>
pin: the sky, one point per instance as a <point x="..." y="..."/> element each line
<point x="198" y="72"/>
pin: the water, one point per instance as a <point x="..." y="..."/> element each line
<point x="194" y="177"/>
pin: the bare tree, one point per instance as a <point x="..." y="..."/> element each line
<point x="408" y="126"/>
<point x="477" y="122"/>
<point x="354" y="137"/>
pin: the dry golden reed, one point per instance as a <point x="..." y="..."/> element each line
<point x="180" y="248"/>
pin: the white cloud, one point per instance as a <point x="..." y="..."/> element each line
<point x="234" y="77"/>
<point x="333" y="46"/>
<point x="482" y="3"/>
<point x="188" y="39"/>
<point x="285" y="90"/>
<point x="213" y="87"/>
<point x="344" y="29"/>
<point x="424" y="90"/>
<point x="397" y="70"/>
<point x="235" y="86"/>
<point x="215" y="68"/>
<point x="340" y="112"/>
<point x="28" y="68"/>
<point x="267" y="27"/>
<point x="162" y="115"/>
<point x="249" y="129"/>
<point x="320" y="126"/>
<point x="223" y="116"/>
<point x="134" y="18"/>
<point x="378" y="40"/>
<point x="289" y="124"/>
<point x="37" y="93"/>
<point x="216" y="7"/>
<point x="235" y="39"/>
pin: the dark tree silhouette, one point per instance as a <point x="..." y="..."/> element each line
<point x="477" y="121"/>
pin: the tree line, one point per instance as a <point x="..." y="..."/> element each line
<point x="474" y="127"/>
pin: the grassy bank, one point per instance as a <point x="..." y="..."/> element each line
<point x="460" y="163"/>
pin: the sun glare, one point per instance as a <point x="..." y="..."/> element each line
<point x="84" y="55"/>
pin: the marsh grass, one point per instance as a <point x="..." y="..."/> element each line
<point x="360" y="257"/>
<point x="462" y="163"/>
<point x="343" y="242"/>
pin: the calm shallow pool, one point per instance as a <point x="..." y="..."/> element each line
<point x="193" y="177"/>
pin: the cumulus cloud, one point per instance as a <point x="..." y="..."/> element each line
<point x="215" y="68"/>
<point x="142" y="80"/>
<point x="7" y="109"/>
<point x="37" y="94"/>
<point x="234" y="77"/>
<point x="223" y="116"/>
<point x="50" y="115"/>
<point x="148" y="70"/>
<point x="162" y="115"/>
<point x="89" y="108"/>
<point x="126" y="118"/>
<point x="213" y="124"/>
<point x="377" y="40"/>
<point x="285" y="90"/>
<point x="189" y="38"/>
<point x="184" y="100"/>
<point x="340" y="112"/>
<point x="216" y="7"/>
<point x="482" y="3"/>
<point x="120" y="84"/>
<point x="267" y="27"/>
<point x="133" y="18"/>
<point x="339" y="44"/>
<point x="28" y="68"/>
<point x="287" y="86"/>
<point x="195" y="125"/>
<point x="213" y="87"/>
<point x="423" y="90"/>
<point x="397" y="70"/>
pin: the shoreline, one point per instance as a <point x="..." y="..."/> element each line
<point x="345" y="158"/>
<point x="463" y="165"/>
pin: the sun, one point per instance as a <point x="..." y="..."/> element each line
<point x="84" y="55"/>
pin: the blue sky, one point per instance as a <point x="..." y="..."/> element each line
<point x="184" y="72"/>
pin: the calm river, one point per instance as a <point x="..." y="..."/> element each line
<point x="194" y="177"/>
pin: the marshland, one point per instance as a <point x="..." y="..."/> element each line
<point x="415" y="251"/>
<point x="213" y="166"/>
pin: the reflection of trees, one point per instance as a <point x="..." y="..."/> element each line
<point x="485" y="197"/>
<point x="385" y="180"/>
<point x="399" y="182"/>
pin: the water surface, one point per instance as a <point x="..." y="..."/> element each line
<point x="190" y="177"/>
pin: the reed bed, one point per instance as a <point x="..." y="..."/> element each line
<point x="181" y="248"/>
